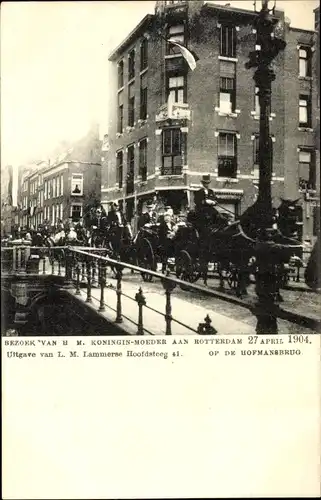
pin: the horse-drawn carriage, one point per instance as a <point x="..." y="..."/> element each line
<point x="233" y="247"/>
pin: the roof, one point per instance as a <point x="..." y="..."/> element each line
<point x="225" y="8"/>
<point x="133" y="35"/>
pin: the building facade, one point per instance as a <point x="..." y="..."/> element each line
<point x="170" y="125"/>
<point x="64" y="188"/>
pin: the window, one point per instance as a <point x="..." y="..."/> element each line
<point x="120" y="113"/>
<point x="120" y="74"/>
<point x="131" y="65"/>
<point x="57" y="212"/>
<point x="62" y="184"/>
<point x="227" y="87"/>
<point x="77" y="184"/>
<point x="53" y="214"/>
<point x="143" y="159"/>
<point x="304" y="111"/>
<point x="227" y="155"/>
<point x="305" y="60"/>
<point x="228" y="40"/>
<point x="307" y="170"/>
<point x="130" y="170"/>
<point x="131" y="105"/>
<point x="316" y="221"/>
<point x="119" y="169"/>
<point x="120" y="119"/>
<point x="58" y="186"/>
<point x="76" y="212"/>
<point x="177" y="34"/>
<point x="143" y="98"/>
<point x="257" y="107"/>
<point x="172" y="152"/>
<point x="54" y="188"/>
<point x="144" y="54"/>
<point x="177" y="88"/>
<point x="49" y="188"/>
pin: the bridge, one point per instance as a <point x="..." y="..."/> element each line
<point x="81" y="291"/>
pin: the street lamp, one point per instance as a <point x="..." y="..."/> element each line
<point x="268" y="253"/>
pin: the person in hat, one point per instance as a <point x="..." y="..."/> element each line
<point x="81" y="232"/>
<point x="169" y="211"/>
<point x="119" y="230"/>
<point x="60" y="225"/>
<point x="166" y="234"/>
<point x="96" y="225"/>
<point x="148" y="217"/>
<point x="205" y="197"/>
<point x="115" y="216"/>
<point x="181" y="221"/>
<point x="205" y="203"/>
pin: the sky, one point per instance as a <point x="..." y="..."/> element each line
<point x="54" y="67"/>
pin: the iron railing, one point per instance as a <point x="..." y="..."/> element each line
<point x="94" y="262"/>
<point x="82" y="267"/>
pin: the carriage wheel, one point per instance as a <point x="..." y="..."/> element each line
<point x="186" y="269"/>
<point x="146" y="259"/>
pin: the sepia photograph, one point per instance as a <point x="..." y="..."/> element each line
<point x="160" y="249"/>
<point x="160" y="168"/>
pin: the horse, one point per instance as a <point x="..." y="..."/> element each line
<point x="95" y="224"/>
<point x="120" y="246"/>
<point x="233" y="246"/>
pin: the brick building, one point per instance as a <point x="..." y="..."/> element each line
<point x="62" y="189"/>
<point x="212" y="123"/>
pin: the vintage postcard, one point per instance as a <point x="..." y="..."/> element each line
<point x="160" y="249"/>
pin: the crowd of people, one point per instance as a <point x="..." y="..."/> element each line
<point x="98" y="226"/>
<point x="95" y="223"/>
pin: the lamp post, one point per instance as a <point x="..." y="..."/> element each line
<point x="268" y="253"/>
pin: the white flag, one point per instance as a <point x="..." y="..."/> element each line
<point x="188" y="55"/>
<point x="170" y="103"/>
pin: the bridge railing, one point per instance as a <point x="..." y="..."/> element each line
<point x="89" y="269"/>
<point x="20" y="259"/>
<point x="83" y="267"/>
<point x="94" y="262"/>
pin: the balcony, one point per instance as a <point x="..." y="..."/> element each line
<point x="175" y="9"/>
<point x="227" y="167"/>
<point x="178" y="111"/>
